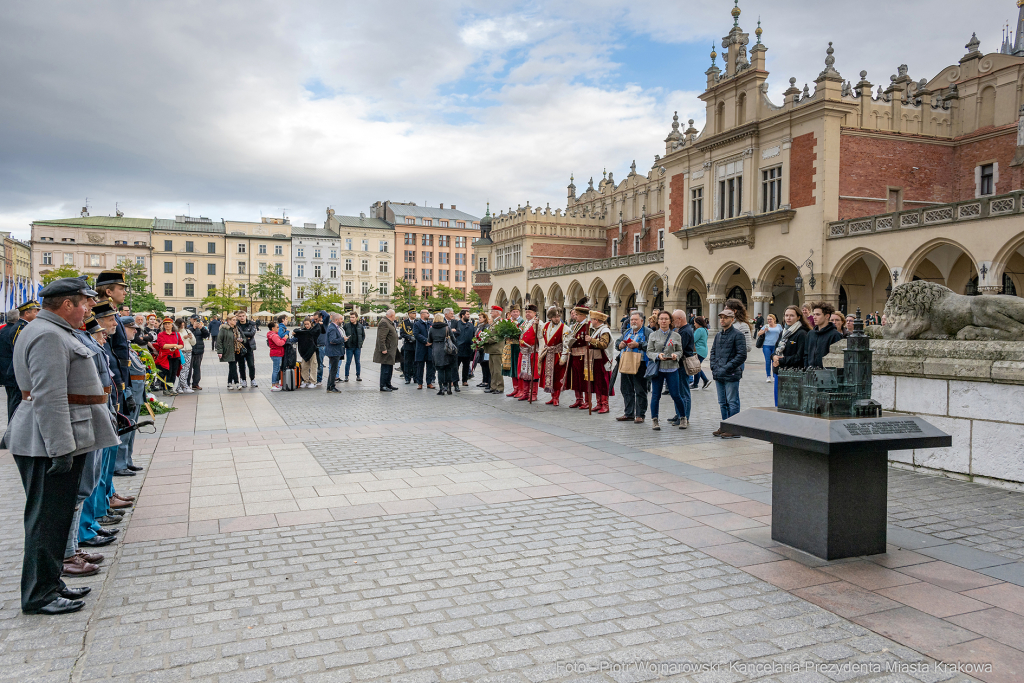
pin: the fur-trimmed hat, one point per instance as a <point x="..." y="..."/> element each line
<point x="598" y="316"/>
<point x="581" y="306"/>
<point x="531" y="307"/>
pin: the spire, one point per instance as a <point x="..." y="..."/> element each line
<point x="488" y="209"/>
<point x="713" y="55"/>
<point x="736" y="14"/>
<point x="1018" y="37"/>
<point x="758" y="31"/>
<point x="829" y="73"/>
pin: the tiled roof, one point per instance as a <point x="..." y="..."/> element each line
<point x="169" y="225"/>
<point x="403" y="210"/>
<point x="302" y="231"/>
<point x="100" y="222"/>
<point x="360" y="222"/>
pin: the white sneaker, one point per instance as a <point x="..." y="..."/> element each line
<point x="768" y="380"/>
<point x="189" y="390"/>
<point x="275" y="388"/>
<point x="243" y="385"/>
<point x="254" y="384"/>
<point x="231" y="387"/>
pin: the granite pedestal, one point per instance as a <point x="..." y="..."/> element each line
<point x="829" y="475"/>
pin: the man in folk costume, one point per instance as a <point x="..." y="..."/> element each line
<point x="552" y="344"/>
<point x="598" y="367"/>
<point x="513" y="345"/>
<point x="529" y="342"/>
<point x="574" y="353"/>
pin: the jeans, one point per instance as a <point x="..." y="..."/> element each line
<point x="275" y="373"/>
<point x="485" y="367"/>
<point x="465" y="362"/>
<point x="776" y="391"/>
<point x="320" y="351"/>
<point x="429" y="365"/>
<point x="348" y="361"/>
<point x="768" y="351"/>
<point x="386" y="372"/>
<point x="246" y="360"/>
<point x="700" y="375"/>
<point x="634" y="392"/>
<point x="332" y="371"/>
<point x="728" y="398"/>
<point x="672" y="380"/>
<point x="196" y="371"/>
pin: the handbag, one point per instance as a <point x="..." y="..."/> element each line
<point x="629" y="362"/>
<point x="652" y="368"/>
<point x="760" y="341"/>
<point x="692" y="365"/>
<point x="449" y="346"/>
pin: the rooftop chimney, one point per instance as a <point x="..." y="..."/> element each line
<point x="442" y="205"/>
<point x="453" y="207"/>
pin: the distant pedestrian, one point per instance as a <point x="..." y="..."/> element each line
<point x="464" y="340"/>
<point x="664" y="347"/>
<point x="247" y="328"/>
<point x="728" y="354"/>
<point x="700" y="346"/>
<point x="767" y="338"/>
<point x="424" y="362"/>
<point x="201" y="334"/>
<point x="406" y="332"/>
<point x="444" y="362"/>
<point x="309" y="363"/>
<point x="633" y="384"/>
<point x="385" y="351"/>
<point x="335" y="350"/>
<point x="277" y="337"/>
<point x="168" y="360"/>
<point x="229" y="339"/>
<point x="355" y="334"/>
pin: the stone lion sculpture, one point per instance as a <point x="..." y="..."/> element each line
<point x="925" y="310"/>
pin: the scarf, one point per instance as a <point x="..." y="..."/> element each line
<point x="780" y="345"/>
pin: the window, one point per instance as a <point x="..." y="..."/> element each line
<point x="427" y="221"/>
<point x="410" y="238"/>
<point x="168" y="289"/>
<point x="442" y="257"/>
<point x="894" y="202"/>
<point x="121" y="243"/>
<point x="460" y="276"/>
<point x="348" y="265"/>
<point x="460" y="259"/>
<point x="278" y="268"/>
<point x="771" y="189"/>
<point x="140" y="260"/>
<point x="211" y="247"/>
<point x="300" y="252"/>
<point x="241" y="247"/>
<point x="241" y="289"/>
<point x="483" y="264"/>
<point x="366" y="245"/>
<point x="427" y="274"/>
<point x="211" y="290"/>
<point x="263" y="249"/>
<point x="262" y="268"/>
<point x="443" y="224"/>
<point x="460" y="224"/>
<point x="348" y="244"/>
<point x="382" y="246"/>
<point x="474" y="260"/>
<point x="425" y="292"/>
<point x="278" y="250"/>
<point x="697" y="206"/>
<point x="241" y="267"/>
<point x="47" y="258"/>
<point x="334" y="253"/>
<point x="334" y="272"/>
<point x="302" y="292"/>
<point x="300" y="270"/>
<point x="426" y="240"/>
<point x="410" y="221"/>
<point x="348" y="287"/>
<point x="615" y="247"/>
<point x="190" y="268"/>
<point x="211" y="268"/>
<point x="68" y="239"/>
<point x="365" y="265"/>
<point x="661" y="238"/>
<point x="636" y="243"/>
<point x="316" y="253"/>
<point x="382" y="266"/>
<point x="190" y="290"/>
<point x="190" y="247"/>
<point x="50" y="239"/>
<point x="94" y="260"/>
<point x="730" y="189"/>
<point x="168" y="245"/>
<point x="460" y="241"/>
<point x="383" y="287"/>
<point x="316" y="270"/>
<point x="364" y="288"/>
<point x="462" y="293"/>
<point x="427" y="257"/>
<point x="168" y="267"/>
<point x="410" y="256"/>
<point x="988" y="175"/>
<point x="443" y="240"/>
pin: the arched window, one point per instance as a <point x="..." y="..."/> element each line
<point x="693" y="303"/>
<point x="987" y="107"/>
<point x="738" y="293"/>
<point x="1008" y="286"/>
<point x="741" y="109"/>
<point x="720" y="117"/>
<point x="843" y="301"/>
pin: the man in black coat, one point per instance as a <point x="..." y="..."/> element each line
<point x="464" y="332"/>
<point x="728" y="354"/>
<point x="195" y="370"/>
<point x="8" y="336"/>
<point x="111" y="285"/>
<point x="421" y="330"/>
<point x="823" y="336"/>
<point x="405" y="332"/>
<point x="247" y="328"/>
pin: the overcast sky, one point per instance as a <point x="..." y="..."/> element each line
<point x="233" y="109"/>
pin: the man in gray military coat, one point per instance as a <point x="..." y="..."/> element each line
<point x="63" y="416"/>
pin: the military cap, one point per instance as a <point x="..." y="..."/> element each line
<point x="411" y="310"/>
<point x="128" y="321"/>
<point x="110" y="277"/>
<point x="91" y="325"/>
<point x="29" y="305"/>
<point x="67" y="285"/>
<point x="103" y="309"/>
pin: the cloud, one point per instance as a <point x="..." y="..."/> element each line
<point x="241" y="107"/>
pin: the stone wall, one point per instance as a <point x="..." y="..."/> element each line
<point x="971" y="390"/>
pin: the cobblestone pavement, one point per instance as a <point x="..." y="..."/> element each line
<point x="406" y="536"/>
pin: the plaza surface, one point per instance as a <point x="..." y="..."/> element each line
<point x="406" y="536"/>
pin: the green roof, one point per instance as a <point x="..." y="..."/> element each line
<point x="101" y="222"/>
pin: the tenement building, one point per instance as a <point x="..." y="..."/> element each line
<point x="839" y="192"/>
<point x="254" y="249"/>
<point x="89" y="244"/>
<point x="188" y="261"/>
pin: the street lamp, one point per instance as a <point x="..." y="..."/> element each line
<point x="798" y="281"/>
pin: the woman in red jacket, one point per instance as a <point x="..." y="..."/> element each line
<point x="169" y="344"/>
<point x="277" y="337"/>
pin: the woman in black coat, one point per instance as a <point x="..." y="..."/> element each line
<point x="444" y="363"/>
<point x="791" y="350"/>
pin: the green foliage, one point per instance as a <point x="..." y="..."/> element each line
<point x="443" y="297"/>
<point x="225" y="299"/>
<point x="139" y="298"/>
<point x="274" y="291"/>
<point x="61" y="272"/>
<point x="473" y="302"/>
<point x="321" y="296"/>
<point x="146" y="303"/>
<point x="406" y="296"/>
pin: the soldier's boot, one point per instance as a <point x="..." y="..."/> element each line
<point x="515" y="388"/>
<point x="579" y="399"/>
<point x="554" y="399"/>
<point x="585" y="404"/>
<point x="602" y="404"/>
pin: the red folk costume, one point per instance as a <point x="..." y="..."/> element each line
<point x="552" y="372"/>
<point x="575" y="353"/>
<point x="529" y="340"/>
<point x="598" y="366"/>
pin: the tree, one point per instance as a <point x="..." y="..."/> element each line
<point x="320" y="295"/>
<point x="61" y="272"/>
<point x="139" y="298"/>
<point x="443" y="297"/>
<point x="270" y="289"/>
<point x="224" y="299"/>
<point x="406" y="296"/>
<point x="473" y="300"/>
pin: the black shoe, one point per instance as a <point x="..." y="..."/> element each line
<point x="358" y="379"/>
<point x="74" y="593"/>
<point x="333" y="391"/>
<point x="108" y="532"/>
<point x="385" y="389"/>
<point x="124" y="473"/>
<point x="457" y="390"/>
<point x="345" y="380"/>
<point x="111" y="512"/>
<point x="134" y="468"/>
<point x="106" y="520"/>
<point x="58" y="606"/>
<point x="393" y="388"/>
<point x="97" y="541"/>
<point x="440" y="392"/>
<point x="674" y="422"/>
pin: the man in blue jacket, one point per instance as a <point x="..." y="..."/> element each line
<point x="335" y="350"/>
<point x="728" y="354"/>
<point x="420" y="330"/>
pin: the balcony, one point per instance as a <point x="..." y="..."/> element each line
<point x="935" y="214"/>
<point x="642" y="258"/>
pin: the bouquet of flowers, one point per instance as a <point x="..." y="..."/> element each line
<point x="500" y="331"/>
<point x="156" y="407"/>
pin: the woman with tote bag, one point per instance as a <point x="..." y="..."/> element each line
<point x="633" y="370"/>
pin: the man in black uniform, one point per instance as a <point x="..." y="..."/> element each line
<point x="111" y="285"/>
<point x="405" y="331"/>
<point x="8" y="336"/>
